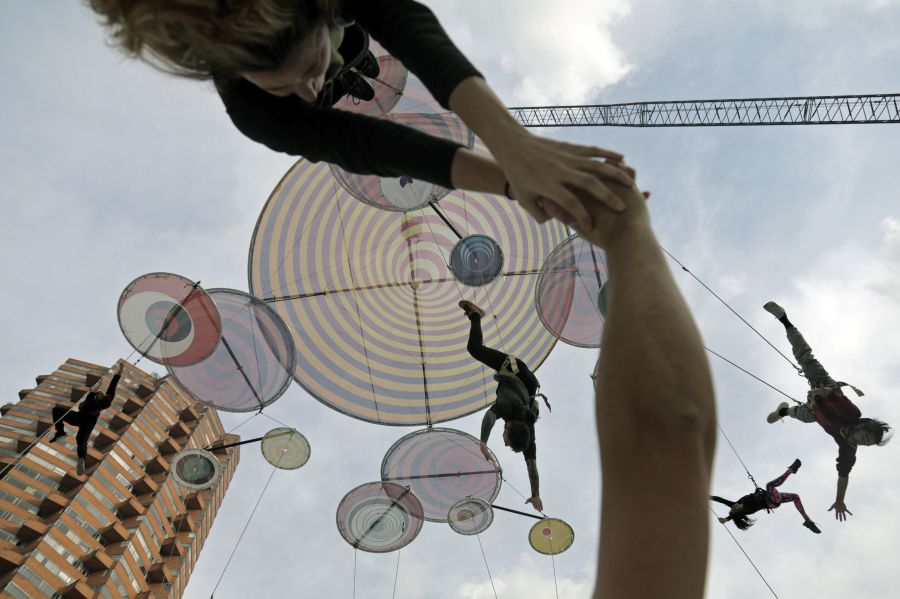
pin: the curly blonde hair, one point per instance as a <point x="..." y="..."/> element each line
<point x="205" y="39"/>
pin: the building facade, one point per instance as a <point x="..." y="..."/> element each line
<point x="123" y="529"/>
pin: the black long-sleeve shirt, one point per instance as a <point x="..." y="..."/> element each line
<point x="96" y="401"/>
<point x="359" y="143"/>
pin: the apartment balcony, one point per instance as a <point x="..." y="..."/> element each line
<point x="23" y="393"/>
<point x="114" y="533"/>
<point x="189" y="414"/>
<point x="8" y="406"/>
<point x="144" y="485"/>
<point x="183" y="522"/>
<point x="32" y="529"/>
<point x="157" y="464"/>
<point x="70" y="480"/>
<point x="195" y="501"/>
<point x="180" y="430"/>
<point x="10" y="559"/>
<point x="159" y="574"/>
<point x="41" y="378"/>
<point x="98" y="561"/>
<point x="54" y="502"/>
<point x="169" y="446"/>
<point x="120" y="419"/>
<point x="130" y="508"/>
<point x="77" y="590"/>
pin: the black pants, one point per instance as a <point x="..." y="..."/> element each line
<point x="84" y="422"/>
<point x="489" y="356"/>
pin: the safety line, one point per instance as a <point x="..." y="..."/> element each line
<point x="396" y="575"/>
<point x="714" y="294"/>
<point x="774" y="594"/>
<point x="486" y="567"/>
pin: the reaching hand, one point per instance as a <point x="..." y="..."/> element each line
<point x="485" y="451"/>
<point x="537" y="503"/>
<point x="840" y="510"/>
<point x="723" y="520"/>
<point x="544" y="175"/>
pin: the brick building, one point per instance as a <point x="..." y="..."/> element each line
<point x="124" y="528"/>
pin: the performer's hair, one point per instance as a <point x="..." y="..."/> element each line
<point x="880" y="430"/>
<point x="742" y="521"/>
<point x="519" y="435"/>
<point x="202" y="39"/>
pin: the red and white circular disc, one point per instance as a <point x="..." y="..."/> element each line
<point x="169" y="319"/>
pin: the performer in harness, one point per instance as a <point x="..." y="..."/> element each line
<point x="85" y="418"/>
<point x="827" y="405"/>
<point x="765" y="499"/>
<point x="516" y="404"/>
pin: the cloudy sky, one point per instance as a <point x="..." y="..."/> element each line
<point x="110" y="170"/>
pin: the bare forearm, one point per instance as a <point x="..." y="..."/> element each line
<point x="655" y="418"/>
<point x="480" y="108"/>
<point x="842" y="483"/>
<point x="476" y="172"/>
<point x="487" y="423"/>
<point x="533" y="477"/>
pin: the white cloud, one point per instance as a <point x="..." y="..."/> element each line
<point x="537" y="52"/>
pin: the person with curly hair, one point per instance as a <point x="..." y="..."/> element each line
<point x="278" y="65"/>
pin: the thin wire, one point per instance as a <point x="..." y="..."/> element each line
<point x="276" y="420"/>
<point x="774" y="594"/>
<point x="738" y="456"/>
<point x="753" y="375"/>
<point x="396" y="575"/>
<point x="355" y="551"/>
<point x="246" y="526"/>
<point x="685" y="269"/>
<point x="486" y="567"/>
<point x="522" y="496"/>
<point x="553" y="561"/>
<point x="243" y="423"/>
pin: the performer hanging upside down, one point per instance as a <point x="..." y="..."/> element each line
<point x="516" y="403"/>
<point x="827" y="405"/>
<point x="279" y="65"/>
<point x="85" y="417"/>
<point x="768" y="499"/>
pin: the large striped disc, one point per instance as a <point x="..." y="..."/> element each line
<point x="379" y="517"/>
<point x="251" y="367"/>
<point x="571" y="293"/>
<point x="383" y="338"/>
<point x="442" y="466"/>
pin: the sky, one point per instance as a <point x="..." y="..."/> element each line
<point x="111" y="170"/>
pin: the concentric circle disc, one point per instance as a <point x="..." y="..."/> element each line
<point x="169" y="319"/>
<point x="285" y="448"/>
<point x="551" y="536"/>
<point x="388" y="87"/>
<point x="404" y="193"/>
<point x="470" y="516"/>
<point x="379" y="517"/>
<point x="251" y="367"/>
<point x="571" y="292"/>
<point x="476" y="260"/>
<point x="442" y="466"/>
<point x="383" y="338"/>
<point x="196" y="469"/>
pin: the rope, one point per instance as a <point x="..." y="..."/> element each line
<point x="522" y="496"/>
<point x="247" y="525"/>
<point x="553" y="561"/>
<point x="748" y="557"/>
<point x="753" y="375"/>
<point x="738" y="456"/>
<point x="486" y="567"/>
<point x="396" y="575"/>
<point x="715" y="295"/>
<point x="243" y="423"/>
<point x="355" y="551"/>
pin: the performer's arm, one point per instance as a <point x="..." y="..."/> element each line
<point x="718" y="499"/>
<point x="839" y="507"/>
<point x="487" y="423"/>
<point x="533" y="478"/>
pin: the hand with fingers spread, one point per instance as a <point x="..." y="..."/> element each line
<point x="840" y="511"/>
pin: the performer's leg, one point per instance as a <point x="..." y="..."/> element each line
<point x="488" y="356"/>
<point x="813" y="370"/>
<point x="59" y="414"/>
<point x="778" y="481"/>
<point x="84" y="434"/>
<point x="795" y="499"/>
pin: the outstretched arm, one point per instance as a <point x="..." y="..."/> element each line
<point x="487" y="423"/>
<point x="723" y="501"/>
<point x="839" y="507"/>
<point x="533" y="478"/>
<point x="655" y="418"/>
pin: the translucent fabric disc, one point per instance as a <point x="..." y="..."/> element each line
<point x="442" y="466"/>
<point x="470" y="516"/>
<point x="571" y="295"/>
<point x="169" y="319"/>
<point x="373" y="306"/>
<point x="404" y="193"/>
<point x="252" y="365"/>
<point x="196" y="469"/>
<point x="379" y="517"/>
<point x="388" y="86"/>
<point x="476" y="260"/>
<point x="285" y="448"/>
<point x="551" y="536"/>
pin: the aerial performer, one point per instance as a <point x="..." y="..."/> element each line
<point x="85" y="417"/>
<point x="516" y="404"/>
<point x="765" y="499"/>
<point x="827" y="405"/>
<point x="278" y="65"/>
<point x="655" y="415"/>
